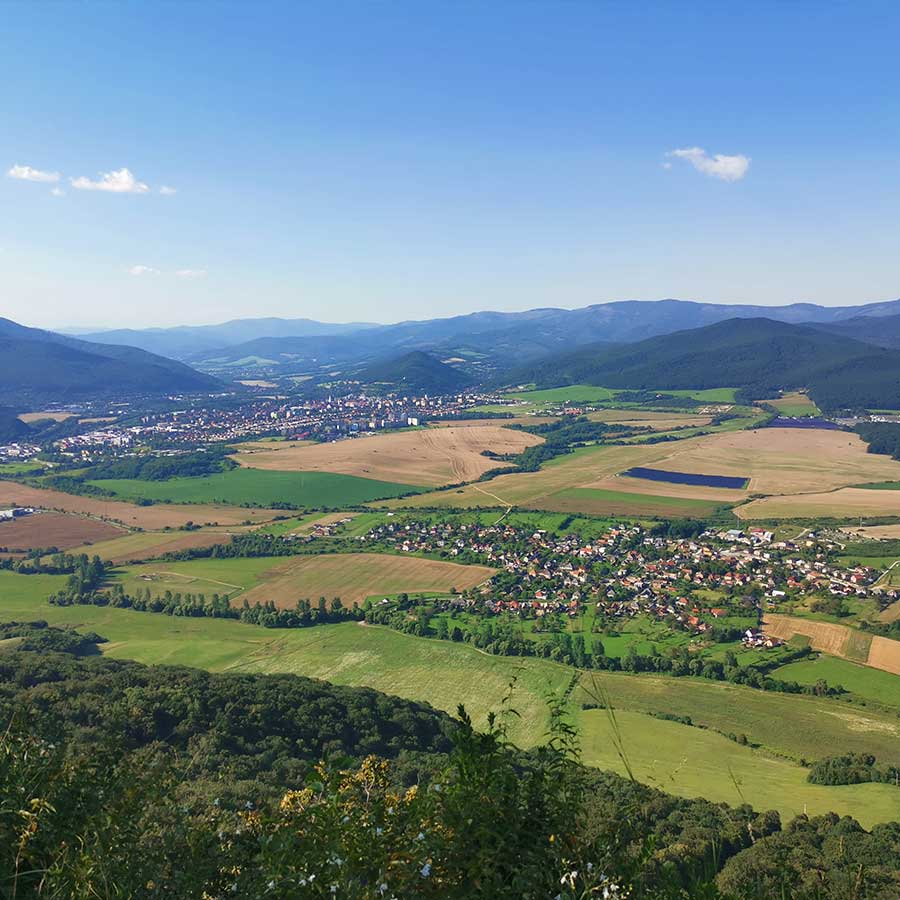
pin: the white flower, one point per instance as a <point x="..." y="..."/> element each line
<point x="379" y="830"/>
<point x="420" y="836"/>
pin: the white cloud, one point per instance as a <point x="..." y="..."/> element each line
<point x="168" y="191"/>
<point x="26" y="173"/>
<point x="728" y="168"/>
<point x="191" y="273"/>
<point x="57" y="192"/>
<point x="119" y="181"/>
<point x="143" y="270"/>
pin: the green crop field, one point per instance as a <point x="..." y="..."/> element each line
<point x="446" y="674"/>
<point x="581" y="393"/>
<point x="871" y="684"/>
<point x="622" y="503"/>
<point x="260" y="487"/>
<point x="694" y="762"/>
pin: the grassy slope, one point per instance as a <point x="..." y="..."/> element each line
<point x="871" y="684"/>
<point x="446" y="674"/>
<point x="259" y="487"/>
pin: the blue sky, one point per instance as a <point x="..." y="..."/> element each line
<point x="389" y="160"/>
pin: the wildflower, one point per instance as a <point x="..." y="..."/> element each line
<point x="425" y="871"/>
<point x="379" y="830"/>
<point x="345" y="820"/>
<point x="271" y="885"/>
<point x="248" y="804"/>
<point x="420" y="836"/>
<point x="217" y="802"/>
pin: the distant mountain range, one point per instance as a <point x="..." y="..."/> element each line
<point x="39" y="366"/>
<point x="759" y="355"/>
<point x="301" y="344"/>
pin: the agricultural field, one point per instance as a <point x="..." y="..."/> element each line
<point x="153" y="517"/>
<point x="838" y="640"/>
<point x="658" y="421"/>
<point x="863" y="681"/>
<point x="845" y="503"/>
<point x="257" y="486"/>
<point x="355" y="576"/>
<point x="284" y="580"/>
<point x="141" y="545"/>
<point x="37" y="416"/>
<point x="796" y="404"/>
<point x="446" y="674"/>
<point x="51" y="529"/>
<point x="426" y="457"/>
<point x="695" y="762"/>
<point x="785" y="462"/>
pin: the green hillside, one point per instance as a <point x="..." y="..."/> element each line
<point x="759" y="355"/>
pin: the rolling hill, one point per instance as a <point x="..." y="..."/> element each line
<point x="416" y="372"/>
<point x="38" y="366"/>
<point x="759" y="355"/>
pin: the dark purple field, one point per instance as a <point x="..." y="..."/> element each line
<point x="716" y="481"/>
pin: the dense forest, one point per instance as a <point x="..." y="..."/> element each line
<point x="139" y="781"/>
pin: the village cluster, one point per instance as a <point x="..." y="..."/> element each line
<point x="691" y="584"/>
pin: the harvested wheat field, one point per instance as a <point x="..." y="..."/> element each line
<point x="783" y="460"/>
<point x="158" y="516"/>
<point x="841" y="504"/>
<point x="873" y="532"/>
<point x="884" y="654"/>
<point x="355" y="576"/>
<point x="658" y="421"/>
<point x="431" y="457"/>
<point x="52" y="529"/>
<point x="828" y="637"/>
<point x="29" y="417"/>
<point x="142" y="545"/>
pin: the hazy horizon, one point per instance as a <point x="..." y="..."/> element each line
<point x="187" y="163"/>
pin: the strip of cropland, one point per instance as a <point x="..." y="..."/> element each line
<point x="259" y="488"/>
<point x="690" y="761"/>
<point x="838" y="640"/>
<point x="53" y="529"/>
<point x="152" y="517"/>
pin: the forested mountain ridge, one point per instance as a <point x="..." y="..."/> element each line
<point x="760" y="356"/>
<point x="528" y="334"/>
<point x="39" y="366"/>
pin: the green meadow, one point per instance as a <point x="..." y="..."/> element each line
<point x="863" y="681"/>
<point x="682" y="759"/>
<point x="258" y="487"/>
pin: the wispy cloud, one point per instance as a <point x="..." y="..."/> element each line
<point x="26" y="173"/>
<point x="143" y="270"/>
<point x="191" y="273"/>
<point x="727" y="168"/>
<point x="119" y="181"/>
<point x="167" y="191"/>
<point x="57" y="192"/>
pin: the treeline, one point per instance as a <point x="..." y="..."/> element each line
<point x="852" y="768"/>
<point x="39" y="637"/>
<point x="206" y="461"/>
<point x="504" y="639"/>
<point x="190" y="605"/>
<point x="88" y="573"/>
<point x="882" y="437"/>
<point x="142" y="781"/>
